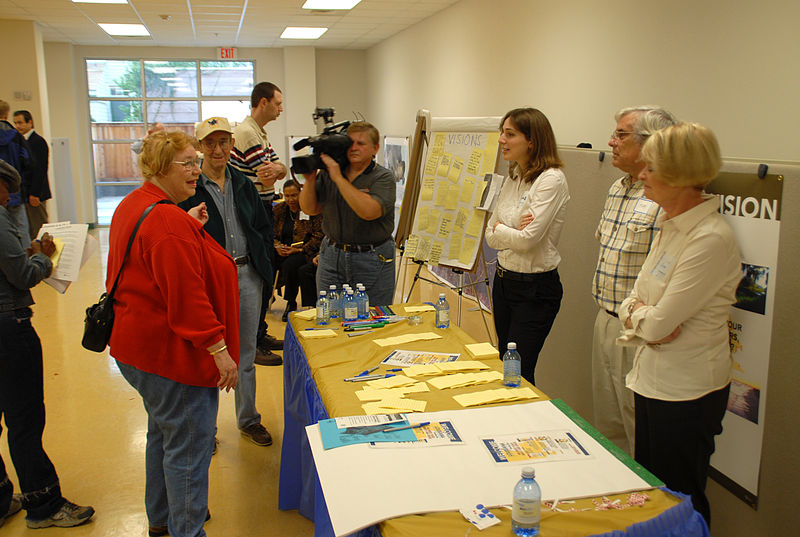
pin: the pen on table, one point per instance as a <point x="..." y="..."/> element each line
<point x="367" y="371"/>
<point x="364" y="327"/>
<point x="360" y="333"/>
<point x="393" y="429"/>
<point x="368" y="377"/>
<point x="322" y="328"/>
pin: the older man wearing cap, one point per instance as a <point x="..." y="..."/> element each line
<point x="21" y="387"/>
<point x="237" y="220"/>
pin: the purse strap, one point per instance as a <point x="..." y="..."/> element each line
<point x="130" y="243"/>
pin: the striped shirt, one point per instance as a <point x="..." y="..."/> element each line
<point x="252" y="149"/>
<point x="625" y="232"/>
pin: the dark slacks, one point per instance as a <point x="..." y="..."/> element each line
<point x="675" y="441"/>
<point x="308" y="284"/>
<point x="266" y="291"/>
<point x="524" y="312"/>
<point x="22" y="406"/>
<point x="289" y="276"/>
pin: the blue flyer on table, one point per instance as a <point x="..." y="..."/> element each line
<point x="337" y="435"/>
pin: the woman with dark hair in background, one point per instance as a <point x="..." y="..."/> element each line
<point x="525" y="228"/>
<point x="297" y="240"/>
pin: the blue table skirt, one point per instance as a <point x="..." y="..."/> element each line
<point x="299" y="486"/>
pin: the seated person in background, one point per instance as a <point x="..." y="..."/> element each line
<point x="308" y="282"/>
<point x="297" y="240"/>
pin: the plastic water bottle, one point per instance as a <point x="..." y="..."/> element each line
<point x="335" y="302"/>
<point x="512" y="367"/>
<point x="526" y="511"/>
<point x="362" y="301"/>
<point x="442" y="312"/>
<point x="323" y="309"/>
<point x="349" y="307"/>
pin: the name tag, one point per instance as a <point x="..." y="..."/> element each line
<point x="663" y="266"/>
<point x="304" y="216"/>
<point x="643" y="206"/>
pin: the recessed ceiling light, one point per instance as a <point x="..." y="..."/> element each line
<point x="99" y="1"/>
<point x="330" y="4"/>
<point x="296" y="32"/>
<point x="123" y="30"/>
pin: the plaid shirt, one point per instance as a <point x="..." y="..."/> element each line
<point x="625" y="232"/>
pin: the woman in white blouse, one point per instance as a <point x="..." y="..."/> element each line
<point x="525" y="228"/>
<point x="678" y="313"/>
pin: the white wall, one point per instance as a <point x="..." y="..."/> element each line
<point x="731" y="66"/>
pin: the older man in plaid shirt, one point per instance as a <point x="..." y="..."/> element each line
<point x="625" y="232"/>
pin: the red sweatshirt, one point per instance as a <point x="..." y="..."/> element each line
<point x="178" y="293"/>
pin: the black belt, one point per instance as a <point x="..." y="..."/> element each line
<point x="360" y="248"/>
<point x="522" y="276"/>
<point x="242" y="259"/>
<point x="612" y="313"/>
<point x="17" y="314"/>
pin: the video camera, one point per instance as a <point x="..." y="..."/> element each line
<point x="333" y="141"/>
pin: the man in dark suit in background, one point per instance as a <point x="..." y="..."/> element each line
<point x="39" y="189"/>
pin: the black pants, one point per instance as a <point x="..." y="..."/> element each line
<point x="289" y="277"/>
<point x="266" y="291"/>
<point x="22" y="406"/>
<point x="675" y="441"/>
<point x="308" y="284"/>
<point x="524" y="312"/>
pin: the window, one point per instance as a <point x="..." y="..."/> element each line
<point x="128" y="96"/>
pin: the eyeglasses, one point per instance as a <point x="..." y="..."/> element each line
<point x="209" y="145"/>
<point x="188" y="164"/>
<point x="620" y="135"/>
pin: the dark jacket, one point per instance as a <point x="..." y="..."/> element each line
<point x="15" y="150"/>
<point x="40" y="185"/>
<point x="309" y="232"/>
<point x="252" y="216"/>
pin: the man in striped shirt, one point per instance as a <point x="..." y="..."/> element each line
<point x="254" y="156"/>
<point x="626" y="230"/>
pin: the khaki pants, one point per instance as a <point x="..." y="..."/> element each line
<point x="36" y="217"/>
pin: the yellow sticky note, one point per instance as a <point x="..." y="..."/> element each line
<point x="444" y="165"/>
<point x="391" y="382"/>
<point x="445" y="225"/>
<point x="455" y="247"/>
<point x="403" y="405"/>
<point x="430" y="166"/>
<point x="426" y="193"/>
<point x="467" y="250"/>
<point x="451" y="201"/>
<point x="460" y="220"/>
<point x="475" y="224"/>
<point x="490" y="155"/>
<point x="423" y="247"/>
<point x="423" y="213"/>
<point x="467" y="189"/>
<point x="438" y="142"/>
<point x="317" y="334"/>
<point x="461" y="365"/>
<point x="455" y="170"/>
<point x="422" y="370"/>
<point x="436" y="253"/>
<point x="433" y="221"/>
<point x="473" y="165"/>
<point x="59" y="244"/>
<point x="411" y="246"/>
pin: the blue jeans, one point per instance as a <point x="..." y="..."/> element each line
<point x="181" y="421"/>
<point x="250" y="284"/>
<point x="375" y="269"/>
<point x="22" y="406"/>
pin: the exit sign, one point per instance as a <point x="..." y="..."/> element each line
<point x="226" y="53"/>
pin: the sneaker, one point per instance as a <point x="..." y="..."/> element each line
<point x="13" y="508"/>
<point x="273" y="343"/>
<point x="257" y="434"/>
<point x="69" y="515"/>
<point x="267" y="358"/>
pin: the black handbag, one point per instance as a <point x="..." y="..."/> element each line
<point x="100" y="317"/>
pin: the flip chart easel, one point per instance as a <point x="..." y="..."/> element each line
<point x="439" y="223"/>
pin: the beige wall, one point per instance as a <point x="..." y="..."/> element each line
<point x="730" y="66"/>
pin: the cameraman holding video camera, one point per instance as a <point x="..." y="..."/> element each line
<point x="357" y="207"/>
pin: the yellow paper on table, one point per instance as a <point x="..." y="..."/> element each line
<point x="422" y="370"/>
<point x="461" y="365"/>
<point x="450" y="381"/>
<point x="411" y="405"/>
<point x="499" y="395"/>
<point x="391" y="382"/>
<point x="59" y="244"/>
<point x="417" y="387"/>
<point x="482" y="351"/>
<point x="417" y="309"/>
<point x="406" y="338"/>
<point x="403" y="405"/>
<point x="317" y="334"/>
<point x="307" y="315"/>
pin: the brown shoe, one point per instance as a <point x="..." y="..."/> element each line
<point x="257" y="434"/>
<point x="273" y="343"/>
<point x="267" y="358"/>
<point x="160" y="531"/>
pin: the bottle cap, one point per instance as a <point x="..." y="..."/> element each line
<point x="322" y="293"/>
<point x="529" y="472"/>
<point x="332" y="287"/>
<point x="511" y="346"/>
<point x="441" y="295"/>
